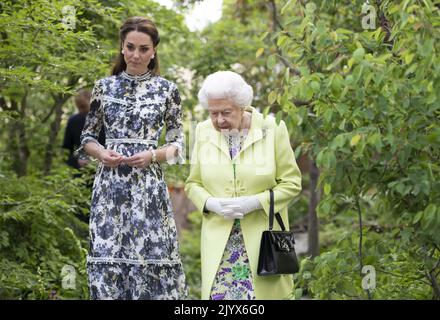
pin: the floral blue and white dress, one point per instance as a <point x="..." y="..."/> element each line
<point x="134" y="252"/>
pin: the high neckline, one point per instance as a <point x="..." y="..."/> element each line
<point x="144" y="76"/>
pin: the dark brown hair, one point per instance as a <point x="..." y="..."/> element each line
<point x="139" y="24"/>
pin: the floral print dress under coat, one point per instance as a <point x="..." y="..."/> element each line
<point x="134" y="250"/>
<point x="233" y="280"/>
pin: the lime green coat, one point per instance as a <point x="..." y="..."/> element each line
<point x="265" y="161"/>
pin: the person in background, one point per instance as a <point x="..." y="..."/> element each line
<point x="74" y="127"/>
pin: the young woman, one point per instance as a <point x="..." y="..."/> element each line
<point x="134" y="250"/>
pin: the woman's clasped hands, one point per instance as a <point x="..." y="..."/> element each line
<point x="113" y="159"/>
<point x="233" y="208"/>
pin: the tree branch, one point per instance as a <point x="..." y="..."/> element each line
<point x="358" y="209"/>
<point x="384" y="23"/>
<point x="436" y="266"/>
<point x="50" y="113"/>
<point x="276" y="23"/>
<point x="404" y="277"/>
<point x="434" y="284"/>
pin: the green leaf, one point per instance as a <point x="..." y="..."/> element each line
<point x="282" y="40"/>
<point x="272" y="97"/>
<point x="278" y="117"/>
<point x="328" y="115"/>
<point x="327" y="188"/>
<point x="355" y="140"/>
<point x="319" y="157"/>
<point x="315" y="86"/>
<point x="259" y="52"/>
<point x="298" y="293"/>
<point x="375" y="140"/>
<point x="409" y="58"/>
<point x="339" y="140"/>
<point x="325" y="207"/>
<point x="358" y="54"/>
<point x="271" y="61"/>
<point x="264" y="36"/>
<point x="298" y="151"/>
<point x="287" y="5"/>
<point x="342" y="125"/>
<point x="304" y="71"/>
<point x="331" y="159"/>
<point x="430" y="211"/>
<point x="417" y="217"/>
<point x="342" y="109"/>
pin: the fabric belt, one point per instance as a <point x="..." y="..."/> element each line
<point x="140" y="141"/>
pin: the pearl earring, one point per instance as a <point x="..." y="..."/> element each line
<point x="122" y="51"/>
<point x="152" y="57"/>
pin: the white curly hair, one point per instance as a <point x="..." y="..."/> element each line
<point x="226" y="85"/>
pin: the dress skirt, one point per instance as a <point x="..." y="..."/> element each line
<point x="134" y="251"/>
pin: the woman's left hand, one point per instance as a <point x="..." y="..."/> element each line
<point x="140" y="160"/>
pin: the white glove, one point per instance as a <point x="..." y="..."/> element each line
<point x="231" y="212"/>
<point x="216" y="205"/>
<point x="242" y="205"/>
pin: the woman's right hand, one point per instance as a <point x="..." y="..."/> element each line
<point x="110" y="158"/>
<point x="214" y="205"/>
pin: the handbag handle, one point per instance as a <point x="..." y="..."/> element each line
<point x="272" y="214"/>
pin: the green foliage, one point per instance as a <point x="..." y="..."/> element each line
<point x="40" y="234"/>
<point x="231" y="44"/>
<point x="335" y="274"/>
<point x="365" y="104"/>
<point x="190" y="254"/>
<point x="40" y="51"/>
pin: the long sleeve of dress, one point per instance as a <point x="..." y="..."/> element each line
<point x="174" y="126"/>
<point x="94" y="122"/>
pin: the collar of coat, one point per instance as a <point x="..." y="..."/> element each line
<point x="256" y="133"/>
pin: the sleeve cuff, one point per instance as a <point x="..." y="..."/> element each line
<point x="81" y="153"/>
<point x="178" y="159"/>
<point x="263" y="198"/>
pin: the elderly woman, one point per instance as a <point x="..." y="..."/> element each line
<point x="237" y="158"/>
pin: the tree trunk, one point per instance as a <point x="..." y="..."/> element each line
<point x="434" y="284"/>
<point x="17" y="143"/>
<point x="53" y="133"/>
<point x="313" y="224"/>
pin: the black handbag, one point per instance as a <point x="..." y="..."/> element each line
<point x="277" y="252"/>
